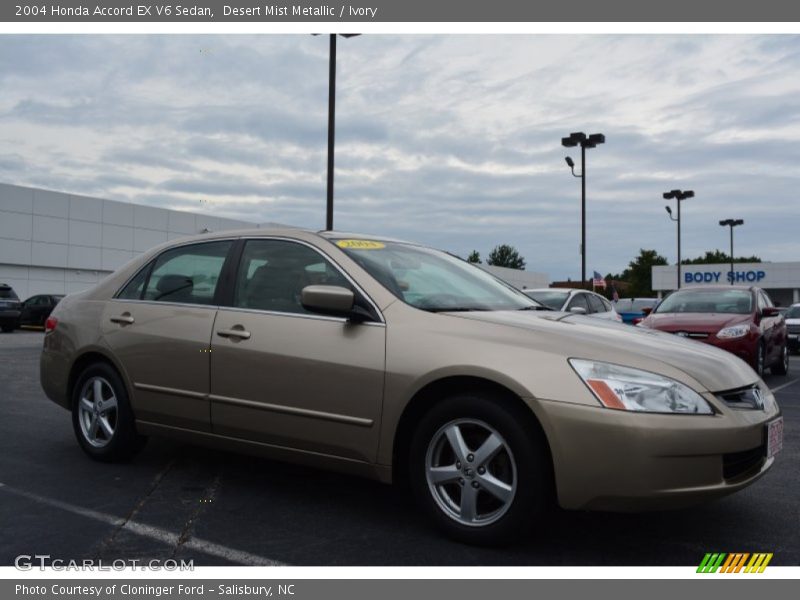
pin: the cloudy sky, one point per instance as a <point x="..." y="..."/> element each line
<point x="449" y="140"/>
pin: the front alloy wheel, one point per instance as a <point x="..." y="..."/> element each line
<point x="471" y="472"/>
<point x="479" y="467"/>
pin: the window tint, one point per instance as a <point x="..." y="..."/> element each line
<point x="187" y="274"/>
<point x="41" y="301"/>
<point x="578" y="301"/>
<point x="273" y="273"/>
<point x="597" y="304"/>
<point x="7" y="293"/>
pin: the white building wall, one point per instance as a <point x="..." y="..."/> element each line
<point x="57" y="243"/>
<point x="518" y="278"/>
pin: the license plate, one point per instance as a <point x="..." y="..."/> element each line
<point x="793" y="336"/>
<point x="774" y="437"/>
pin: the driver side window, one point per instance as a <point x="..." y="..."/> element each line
<point x="273" y="273"/>
<point x="579" y="301"/>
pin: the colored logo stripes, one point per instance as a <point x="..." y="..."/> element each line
<point x="735" y="562"/>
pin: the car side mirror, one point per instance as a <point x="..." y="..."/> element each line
<point x="770" y="311"/>
<point x="328" y="300"/>
<point x="578" y="310"/>
<point x="647" y="310"/>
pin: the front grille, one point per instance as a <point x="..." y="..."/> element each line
<point x="695" y="335"/>
<point x="736" y="464"/>
<point x="793" y="328"/>
<point x="748" y="398"/>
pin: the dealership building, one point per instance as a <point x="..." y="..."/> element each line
<point x="781" y="280"/>
<point x="58" y="243"/>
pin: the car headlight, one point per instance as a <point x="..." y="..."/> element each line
<point x="623" y="388"/>
<point x="734" y="331"/>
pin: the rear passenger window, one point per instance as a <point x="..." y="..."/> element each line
<point x="187" y="274"/>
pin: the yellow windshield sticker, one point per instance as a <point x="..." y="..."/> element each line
<point x="360" y="244"/>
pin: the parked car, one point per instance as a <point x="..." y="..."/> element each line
<point x="403" y="363"/>
<point x="36" y="309"/>
<point x="792" y="317"/>
<point x="576" y="301"/>
<point x="741" y="320"/>
<point x="9" y="308"/>
<point x="633" y="310"/>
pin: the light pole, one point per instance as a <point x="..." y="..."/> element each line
<point x="591" y="141"/>
<point x="680" y="196"/>
<point x="332" y="123"/>
<point x="731" y="223"/>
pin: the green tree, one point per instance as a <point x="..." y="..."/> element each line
<point x="506" y="256"/>
<point x="719" y="257"/>
<point x="474" y="257"/>
<point x="639" y="274"/>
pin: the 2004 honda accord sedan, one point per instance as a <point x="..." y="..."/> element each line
<point x="399" y="362"/>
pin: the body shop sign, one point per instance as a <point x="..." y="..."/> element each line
<point x="742" y="277"/>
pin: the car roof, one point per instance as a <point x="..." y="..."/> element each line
<point x="555" y="289"/>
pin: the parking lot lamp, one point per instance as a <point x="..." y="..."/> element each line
<point x="332" y="124"/>
<point x="731" y="223"/>
<point x="680" y="196"/>
<point x="591" y="141"/>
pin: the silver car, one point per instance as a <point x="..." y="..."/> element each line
<point x="575" y="301"/>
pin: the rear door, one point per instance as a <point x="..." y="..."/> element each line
<point x="159" y="327"/>
<point x="284" y="376"/>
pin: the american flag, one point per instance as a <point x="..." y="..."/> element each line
<point x="598" y="281"/>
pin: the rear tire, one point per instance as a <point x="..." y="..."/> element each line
<point x="102" y="417"/>
<point x="782" y="366"/>
<point x="494" y="487"/>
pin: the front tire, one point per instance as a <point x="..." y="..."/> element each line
<point x="479" y="469"/>
<point x="782" y="366"/>
<point x="102" y="417"/>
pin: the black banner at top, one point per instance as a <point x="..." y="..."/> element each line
<point x="398" y="11"/>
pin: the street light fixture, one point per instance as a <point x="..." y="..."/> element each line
<point x="591" y="141"/>
<point x="731" y="223"/>
<point x="680" y="196"/>
<point x="332" y="123"/>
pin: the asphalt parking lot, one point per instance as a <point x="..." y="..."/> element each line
<point x="184" y="502"/>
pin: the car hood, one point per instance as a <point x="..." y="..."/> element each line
<point x="597" y="339"/>
<point x="705" y="322"/>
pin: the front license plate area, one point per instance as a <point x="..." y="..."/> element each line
<point x="774" y="437"/>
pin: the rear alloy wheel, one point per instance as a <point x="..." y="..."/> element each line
<point x="102" y="417"/>
<point x="478" y="469"/>
<point x="782" y="366"/>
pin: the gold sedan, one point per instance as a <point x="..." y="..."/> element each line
<point x="402" y="363"/>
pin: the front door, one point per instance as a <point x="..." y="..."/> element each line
<point x="283" y="376"/>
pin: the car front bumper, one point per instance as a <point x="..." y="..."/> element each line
<point x="625" y="461"/>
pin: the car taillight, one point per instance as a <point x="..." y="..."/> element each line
<point x="637" y="320"/>
<point x="50" y="324"/>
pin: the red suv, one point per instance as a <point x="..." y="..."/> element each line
<point x="739" y="319"/>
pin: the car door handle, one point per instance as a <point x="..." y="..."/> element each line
<point x="236" y="333"/>
<point x="123" y="319"/>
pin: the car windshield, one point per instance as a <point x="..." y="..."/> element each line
<point x="708" y="301"/>
<point x="554" y="300"/>
<point x="793" y="312"/>
<point x="433" y="280"/>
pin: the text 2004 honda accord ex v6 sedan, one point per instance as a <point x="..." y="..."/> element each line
<point x="399" y="362"/>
